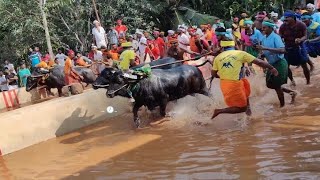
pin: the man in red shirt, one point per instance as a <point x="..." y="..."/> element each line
<point x="153" y="52"/>
<point x="159" y="42"/>
<point x="120" y="28"/>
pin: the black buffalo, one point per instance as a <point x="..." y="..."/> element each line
<point x="162" y="86"/>
<point x="103" y="80"/>
<point x="56" y="78"/>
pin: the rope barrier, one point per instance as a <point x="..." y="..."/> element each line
<point x="179" y="61"/>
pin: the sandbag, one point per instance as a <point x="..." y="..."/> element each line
<point x="76" y="88"/>
<point x="65" y="91"/>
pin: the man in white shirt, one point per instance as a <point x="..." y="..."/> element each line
<point x="61" y="57"/>
<point x="99" y="34"/>
<point x="184" y="42"/>
<point x="97" y="58"/>
<point x="142" y="45"/>
<point x="135" y="43"/>
<point x="3" y="82"/>
<point x="10" y="66"/>
<point x="276" y="20"/>
<point x="183" y="39"/>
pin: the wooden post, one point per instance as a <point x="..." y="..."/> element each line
<point x="46" y="29"/>
<point x="96" y="10"/>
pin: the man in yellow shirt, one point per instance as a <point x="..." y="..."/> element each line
<point x="127" y="57"/>
<point x="229" y="66"/>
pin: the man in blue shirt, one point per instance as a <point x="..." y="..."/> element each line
<point x="273" y="49"/>
<point x="313" y="41"/>
<point x="311" y="8"/>
<point x="35" y="57"/>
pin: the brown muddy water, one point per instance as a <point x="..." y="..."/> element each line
<point x="273" y="144"/>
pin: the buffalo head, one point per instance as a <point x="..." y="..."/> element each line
<point x="32" y="82"/>
<point x="119" y="82"/>
<point x="34" y="79"/>
<point x="106" y="77"/>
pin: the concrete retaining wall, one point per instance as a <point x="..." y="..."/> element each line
<point x="39" y="122"/>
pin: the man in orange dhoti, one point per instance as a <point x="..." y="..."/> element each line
<point x="71" y="76"/>
<point x="235" y="88"/>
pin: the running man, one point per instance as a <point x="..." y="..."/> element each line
<point x="235" y="88"/>
<point x="313" y="41"/>
<point x="294" y="33"/>
<point x="273" y="49"/>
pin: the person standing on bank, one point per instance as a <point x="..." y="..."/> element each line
<point x="274" y="49"/>
<point x="99" y="34"/>
<point x="23" y="74"/>
<point x="294" y="33"/>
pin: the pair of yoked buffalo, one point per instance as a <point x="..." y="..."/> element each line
<point x="167" y="82"/>
<point x="55" y="78"/>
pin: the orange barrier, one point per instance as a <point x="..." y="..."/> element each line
<point x="10" y="98"/>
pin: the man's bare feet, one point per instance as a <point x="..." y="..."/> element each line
<point x="249" y="112"/>
<point x="311" y="68"/>
<point x="293" y="97"/>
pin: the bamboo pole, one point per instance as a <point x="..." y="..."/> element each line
<point x="46" y="29"/>
<point x="96" y="10"/>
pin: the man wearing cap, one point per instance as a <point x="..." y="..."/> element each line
<point x="273" y="49"/>
<point x="294" y="33"/>
<point x="99" y="34"/>
<point x="120" y="28"/>
<point x="275" y="18"/>
<point x="311" y="8"/>
<point x="71" y="76"/>
<point x="313" y="41"/>
<point x="127" y="57"/>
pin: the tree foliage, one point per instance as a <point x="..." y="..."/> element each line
<point x="70" y="21"/>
